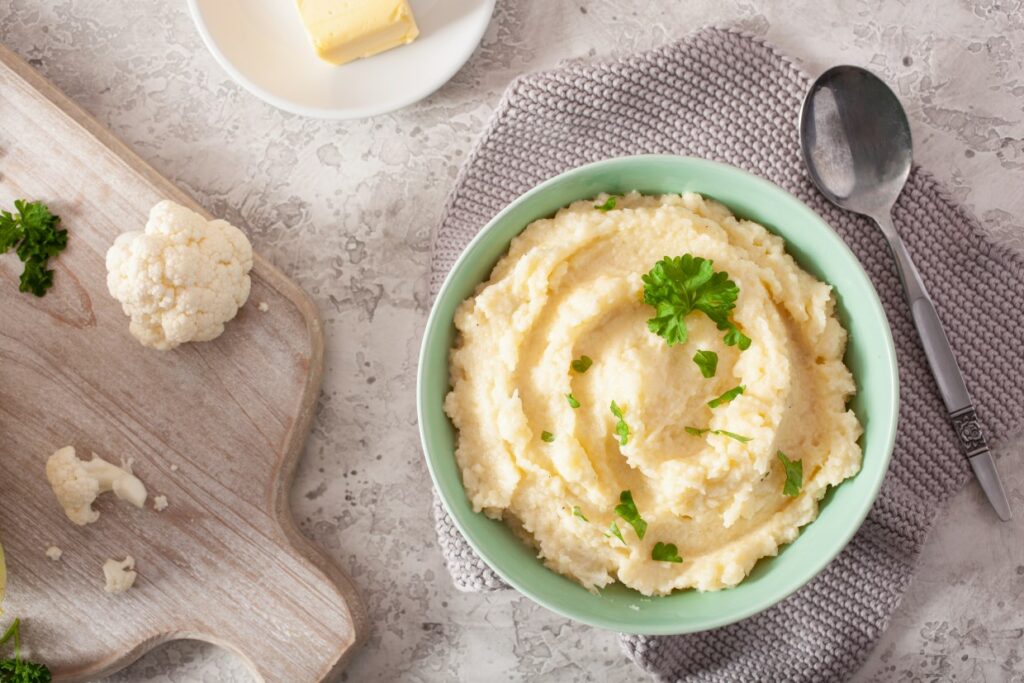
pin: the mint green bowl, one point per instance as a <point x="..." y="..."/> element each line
<point x="870" y="356"/>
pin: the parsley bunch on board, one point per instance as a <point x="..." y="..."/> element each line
<point x="35" y="237"/>
<point x="17" y="670"/>
<point x="675" y="287"/>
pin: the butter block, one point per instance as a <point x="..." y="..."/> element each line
<point x="344" y="30"/>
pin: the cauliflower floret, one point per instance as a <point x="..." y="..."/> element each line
<point x="77" y="483"/>
<point x="181" y="278"/>
<point x="119" y="575"/>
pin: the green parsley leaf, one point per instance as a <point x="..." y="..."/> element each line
<point x="614" y="528"/>
<point x="707" y="361"/>
<point x="35" y="237"/>
<point x="608" y="205"/>
<point x="579" y="513"/>
<point x="627" y="510"/>
<point x="736" y="338"/>
<point x="727" y="396"/>
<point x="573" y="403"/>
<point x="621" y="428"/>
<point x="583" y="364"/>
<point x="10" y="231"/>
<point x="35" y="278"/>
<point x="794" y="475"/>
<point x="732" y="435"/>
<point x="547" y="437"/>
<point x="676" y="286"/>
<point x="665" y="552"/>
<point x="17" y="670"/>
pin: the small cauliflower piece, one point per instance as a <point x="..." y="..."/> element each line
<point x="181" y="278"/>
<point x="160" y="503"/>
<point x="54" y="553"/>
<point x="264" y="307"/>
<point x="77" y="483"/>
<point x="120" y="576"/>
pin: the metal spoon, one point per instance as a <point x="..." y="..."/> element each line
<point x="856" y="144"/>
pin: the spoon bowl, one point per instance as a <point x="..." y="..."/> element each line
<point x="856" y="140"/>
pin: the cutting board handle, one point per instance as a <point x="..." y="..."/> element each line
<point x="217" y="427"/>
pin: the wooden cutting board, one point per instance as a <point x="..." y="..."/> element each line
<point x="217" y="427"/>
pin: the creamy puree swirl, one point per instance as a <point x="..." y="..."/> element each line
<point x="571" y="286"/>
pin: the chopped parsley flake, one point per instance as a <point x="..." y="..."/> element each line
<point x="732" y="435"/>
<point x="627" y="510"/>
<point x="665" y="552"/>
<point x="621" y="428"/>
<point x="707" y="361"/>
<point x="794" y="475"/>
<point x="582" y="364"/>
<point x="727" y="396"/>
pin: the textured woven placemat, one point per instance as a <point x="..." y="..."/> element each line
<point x="722" y="95"/>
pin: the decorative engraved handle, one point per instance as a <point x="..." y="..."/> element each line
<point x="972" y="440"/>
<point x="947" y="372"/>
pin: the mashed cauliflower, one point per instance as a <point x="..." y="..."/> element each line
<point x="570" y="287"/>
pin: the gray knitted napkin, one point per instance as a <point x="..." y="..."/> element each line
<point x="722" y="95"/>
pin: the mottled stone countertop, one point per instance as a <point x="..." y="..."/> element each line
<point x="347" y="208"/>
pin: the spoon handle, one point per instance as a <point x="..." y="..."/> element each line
<point x="947" y="374"/>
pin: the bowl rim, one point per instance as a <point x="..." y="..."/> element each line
<point x="434" y="326"/>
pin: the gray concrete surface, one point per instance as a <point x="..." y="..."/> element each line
<point x="347" y="209"/>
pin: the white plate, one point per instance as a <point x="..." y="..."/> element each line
<point x="263" y="45"/>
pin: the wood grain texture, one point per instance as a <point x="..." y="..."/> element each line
<point x="225" y="562"/>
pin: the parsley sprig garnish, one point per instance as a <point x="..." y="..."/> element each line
<point x="16" y="669"/>
<point x="727" y="396"/>
<point x="621" y="428"/>
<point x="608" y="205"/>
<point x="665" y="552"/>
<point x="573" y="403"/>
<point x="35" y="237"/>
<point x="577" y="512"/>
<point x="675" y="287"/>
<point x="794" y="475"/>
